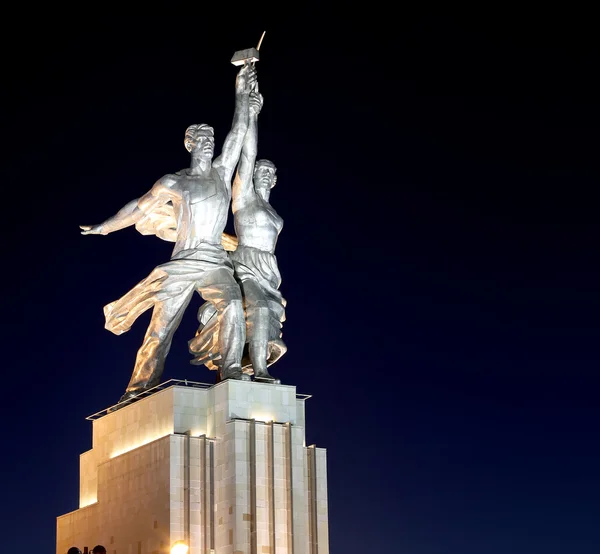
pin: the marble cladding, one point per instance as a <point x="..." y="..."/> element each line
<point x="158" y="466"/>
<point x="133" y="504"/>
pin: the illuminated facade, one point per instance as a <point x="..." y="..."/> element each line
<point x="223" y="468"/>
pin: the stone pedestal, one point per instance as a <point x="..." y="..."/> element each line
<point x="224" y="468"/>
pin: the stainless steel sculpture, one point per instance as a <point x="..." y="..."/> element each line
<point x="190" y="206"/>
<point x="257" y="226"/>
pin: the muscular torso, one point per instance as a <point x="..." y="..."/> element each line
<point x="201" y="205"/>
<point x="258" y="225"/>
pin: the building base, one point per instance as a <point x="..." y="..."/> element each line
<point x="223" y="468"/>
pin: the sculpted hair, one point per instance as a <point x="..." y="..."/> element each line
<point x="190" y="133"/>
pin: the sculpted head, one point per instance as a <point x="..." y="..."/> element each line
<point x="200" y="140"/>
<point x="265" y="175"/>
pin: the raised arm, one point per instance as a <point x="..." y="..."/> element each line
<point x="232" y="147"/>
<point x="133" y="211"/>
<point x="243" y="187"/>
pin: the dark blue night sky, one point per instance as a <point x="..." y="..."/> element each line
<point x="440" y="255"/>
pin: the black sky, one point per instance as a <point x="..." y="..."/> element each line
<point x="440" y="254"/>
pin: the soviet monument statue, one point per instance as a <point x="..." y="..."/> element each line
<point x="257" y="226"/>
<point x="240" y="321"/>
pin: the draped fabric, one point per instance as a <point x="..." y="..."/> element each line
<point x="250" y="264"/>
<point x="179" y="276"/>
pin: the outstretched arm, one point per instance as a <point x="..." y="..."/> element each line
<point x="232" y="147"/>
<point x="133" y="211"/>
<point x="243" y="188"/>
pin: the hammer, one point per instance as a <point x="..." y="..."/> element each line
<point x="250" y="55"/>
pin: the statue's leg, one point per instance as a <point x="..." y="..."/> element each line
<point x="150" y="360"/>
<point x="257" y="326"/>
<point x="220" y="288"/>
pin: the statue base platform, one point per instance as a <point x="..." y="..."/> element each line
<point x="223" y="468"/>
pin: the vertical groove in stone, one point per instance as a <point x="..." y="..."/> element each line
<point x="288" y="457"/>
<point x="312" y="487"/>
<point x="186" y="488"/>
<point x="253" y="533"/>
<point x="271" y="466"/>
<point x="203" y="495"/>
<point x="211" y="450"/>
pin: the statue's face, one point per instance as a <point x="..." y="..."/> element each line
<point x="265" y="177"/>
<point x="202" y="143"/>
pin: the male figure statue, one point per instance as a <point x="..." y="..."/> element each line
<point x="257" y="226"/>
<point x="199" y="198"/>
